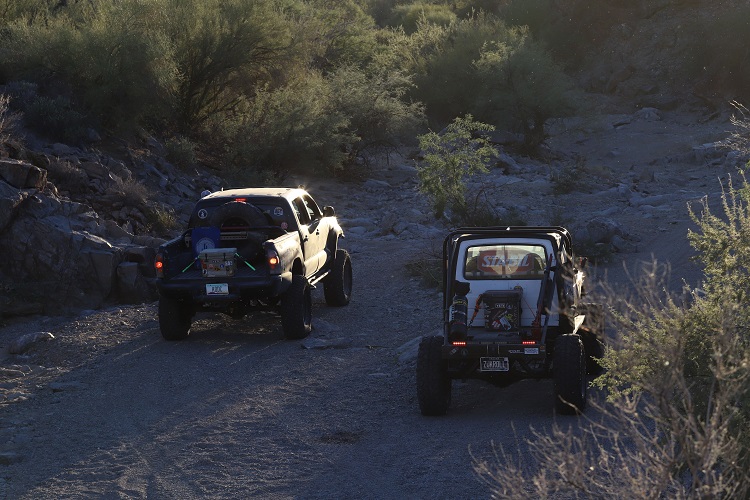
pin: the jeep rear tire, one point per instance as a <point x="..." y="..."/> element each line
<point x="569" y="374"/>
<point x="592" y="333"/>
<point x="433" y="382"/>
<point x="174" y="318"/>
<point x="337" y="286"/>
<point x="296" y="309"/>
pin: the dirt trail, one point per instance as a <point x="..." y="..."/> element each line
<point x="108" y="409"/>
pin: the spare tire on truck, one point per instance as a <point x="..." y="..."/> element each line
<point x="242" y="216"/>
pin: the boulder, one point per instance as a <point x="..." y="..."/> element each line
<point x="22" y="175"/>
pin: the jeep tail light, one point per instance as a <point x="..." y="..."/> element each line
<point x="529" y="342"/>
<point x="274" y="263"/>
<point x="459" y="343"/>
<point x="159" y="265"/>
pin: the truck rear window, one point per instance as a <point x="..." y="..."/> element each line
<point x="492" y="262"/>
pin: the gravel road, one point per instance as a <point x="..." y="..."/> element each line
<point x="235" y="411"/>
<point x="110" y="410"/>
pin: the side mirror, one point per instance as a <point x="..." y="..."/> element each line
<point x="328" y="211"/>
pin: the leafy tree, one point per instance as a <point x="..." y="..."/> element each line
<point x="291" y="129"/>
<point x="443" y="62"/>
<point x="224" y="50"/>
<point x="375" y="104"/>
<point x="449" y="159"/>
<point x="333" y="33"/>
<point x="411" y="15"/>
<point x="521" y="85"/>
<point x="112" y="58"/>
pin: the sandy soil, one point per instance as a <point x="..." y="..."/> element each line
<point x="109" y="410"/>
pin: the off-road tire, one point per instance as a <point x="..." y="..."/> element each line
<point x="337" y="286"/>
<point x="569" y="375"/>
<point x="296" y="309"/>
<point x="175" y="317"/>
<point x="594" y="338"/>
<point x="433" y="382"/>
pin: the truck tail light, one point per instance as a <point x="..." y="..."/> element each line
<point x="159" y="265"/>
<point x="274" y="263"/>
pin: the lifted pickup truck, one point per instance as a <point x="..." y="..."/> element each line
<point x="251" y="249"/>
<point x="527" y="319"/>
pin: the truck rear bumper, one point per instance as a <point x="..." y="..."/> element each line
<point x="238" y="289"/>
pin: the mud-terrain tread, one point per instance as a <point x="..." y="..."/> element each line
<point x="594" y="337"/>
<point x="337" y="286"/>
<point x="174" y="318"/>
<point x="296" y="309"/>
<point x="433" y="382"/>
<point x="569" y="374"/>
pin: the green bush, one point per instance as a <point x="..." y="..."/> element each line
<point x="411" y="15"/>
<point x="521" y="86"/>
<point x="378" y="113"/>
<point x="181" y="151"/>
<point x="292" y="129"/>
<point x="223" y="51"/>
<point x="450" y="158"/>
<point x="56" y="118"/>
<point x="442" y="59"/>
<point x="114" y="58"/>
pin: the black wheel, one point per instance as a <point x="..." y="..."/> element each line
<point x="433" y="382"/>
<point x="569" y="374"/>
<point x="337" y="286"/>
<point x="174" y="318"/>
<point x="296" y="309"/>
<point x="592" y="332"/>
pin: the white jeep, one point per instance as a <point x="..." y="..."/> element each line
<point x="512" y="309"/>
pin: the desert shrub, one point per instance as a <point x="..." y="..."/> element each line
<point x="442" y="59"/>
<point x="161" y="220"/>
<point x="378" y="113"/>
<point x="112" y="56"/>
<point x="56" y="118"/>
<point x="223" y="50"/>
<point x="667" y="430"/>
<point x="428" y="268"/>
<point x="449" y="159"/>
<point x="411" y="15"/>
<point x="67" y="177"/>
<point x="292" y="129"/>
<point x="181" y="151"/>
<point x="132" y="193"/>
<point x="521" y="86"/>
<point x="333" y="32"/>
<point x="22" y="94"/>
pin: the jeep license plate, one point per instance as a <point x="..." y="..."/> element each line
<point x="494" y="365"/>
<point x="217" y="289"/>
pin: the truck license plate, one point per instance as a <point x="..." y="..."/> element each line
<point x="217" y="289"/>
<point x="494" y="364"/>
